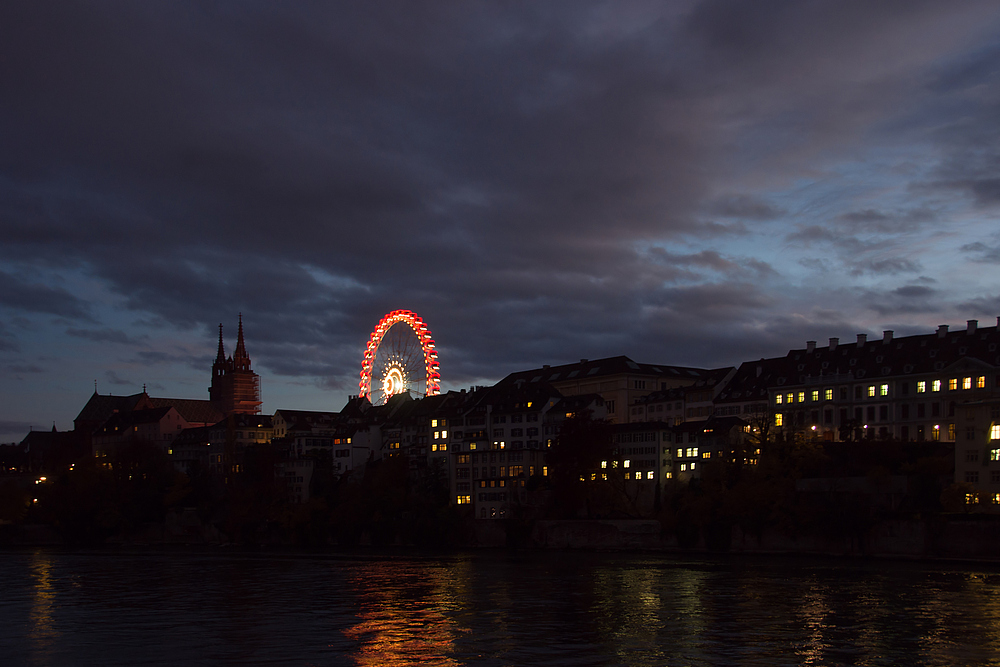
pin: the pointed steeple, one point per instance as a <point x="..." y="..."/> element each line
<point x="221" y="356"/>
<point x="240" y="357"/>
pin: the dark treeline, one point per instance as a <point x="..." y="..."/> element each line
<point x="389" y="502"/>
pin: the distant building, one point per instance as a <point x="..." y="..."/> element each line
<point x="618" y="380"/>
<point x="235" y="387"/>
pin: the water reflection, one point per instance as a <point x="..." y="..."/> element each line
<point x="489" y="609"/>
<point x="404" y="617"/>
<point x="42" y="632"/>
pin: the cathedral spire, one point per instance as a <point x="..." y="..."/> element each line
<point x="240" y="356"/>
<point x="221" y="356"/>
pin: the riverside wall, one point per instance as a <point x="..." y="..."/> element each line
<point x="966" y="538"/>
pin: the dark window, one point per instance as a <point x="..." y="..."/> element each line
<point x="871" y="413"/>
<point x="920" y="410"/>
<point x="883" y="413"/>
<point x="935" y="409"/>
<point x="904" y="411"/>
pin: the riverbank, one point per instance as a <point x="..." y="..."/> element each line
<point x="965" y="537"/>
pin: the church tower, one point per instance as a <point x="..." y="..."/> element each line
<point x="235" y="387"/>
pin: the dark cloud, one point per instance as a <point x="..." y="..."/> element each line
<point x="103" y="335"/>
<point x="871" y="220"/>
<point x="159" y="357"/>
<point x="747" y="207"/>
<point x="539" y="181"/>
<point x="909" y="299"/>
<point x="982" y="252"/>
<point x="113" y="378"/>
<point x="36" y="297"/>
<point x="913" y="291"/>
<point x="987" y="306"/>
<point x="19" y="369"/>
<point x="889" y="266"/>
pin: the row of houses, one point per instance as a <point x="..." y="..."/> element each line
<point x="666" y="420"/>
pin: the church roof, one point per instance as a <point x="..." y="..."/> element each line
<point x="194" y="411"/>
<point x="100" y="407"/>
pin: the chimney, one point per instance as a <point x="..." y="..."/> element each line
<point x="810" y="345"/>
<point x="835" y="341"/>
<point x="887" y="337"/>
<point x="583" y="361"/>
<point x="942" y="331"/>
<point x="760" y="369"/>
<point x="545" y="366"/>
<point x="970" y="326"/>
<point x="862" y="338"/>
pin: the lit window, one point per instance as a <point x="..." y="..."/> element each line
<point x="981" y="382"/>
<point x="545" y="471"/>
<point x="627" y="463"/>
<point x="680" y="453"/>
<point x="684" y="467"/>
<point x="434" y="447"/>
<point x="921" y="387"/>
<point x="778" y="399"/>
<point x="638" y="475"/>
<point x="936" y="433"/>
<point x="649" y="475"/>
<point x="971" y="499"/>
<point x="706" y="455"/>
<point x="778" y="419"/>
<point x="951" y="431"/>
<point x="692" y="465"/>
<point x="871" y="390"/>
<point x="437" y="435"/>
<point x="967" y="383"/>
<point x="790" y="398"/>
<point x="464" y="500"/>
<point x="995" y="499"/>
<point x="828" y="395"/>
<point x="995" y="432"/>
<point x="883" y="390"/>
<point x="604" y="476"/>
<point x="443" y="447"/>
<point x="668" y="475"/>
<point x="953" y="384"/>
<point x="604" y="464"/>
<point x="434" y="423"/>
<point x="444" y="434"/>
<point x="995" y="455"/>
<point x="802" y="397"/>
<point x="936" y="385"/>
<point x="815" y="394"/>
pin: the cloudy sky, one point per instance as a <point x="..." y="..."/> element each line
<point x="693" y="183"/>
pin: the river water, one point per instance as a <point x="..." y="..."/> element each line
<point x="493" y="608"/>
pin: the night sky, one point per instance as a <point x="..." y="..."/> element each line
<point x="695" y="183"/>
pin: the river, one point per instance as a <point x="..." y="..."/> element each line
<point x="163" y="607"/>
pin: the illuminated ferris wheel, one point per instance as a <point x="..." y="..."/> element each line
<point x="400" y="357"/>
